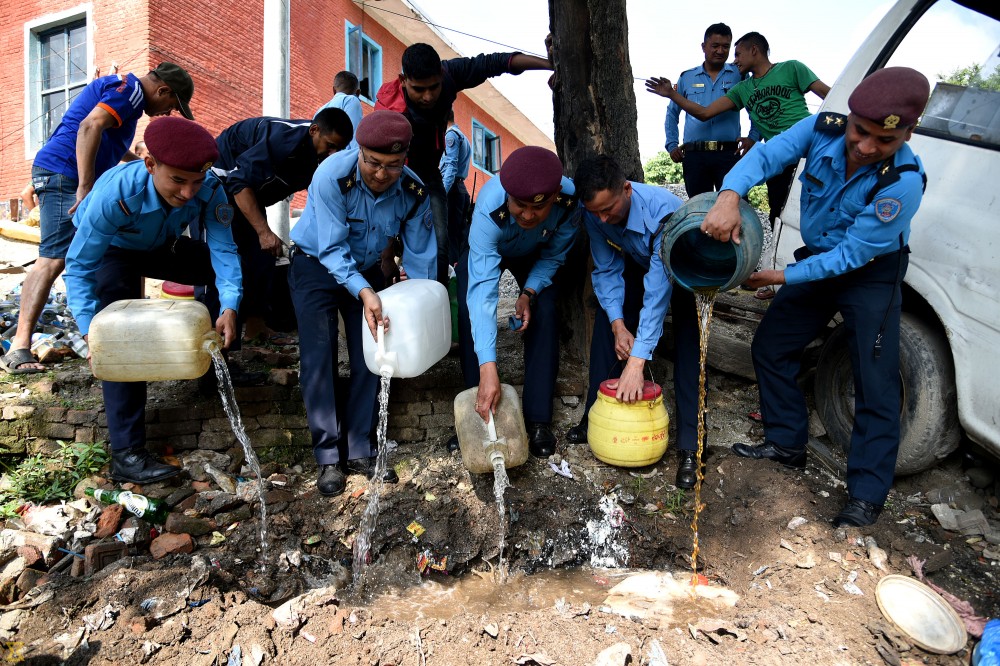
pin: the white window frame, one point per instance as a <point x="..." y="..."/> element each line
<point x="375" y="59"/>
<point x="32" y="67"/>
<point x="485" y="144"/>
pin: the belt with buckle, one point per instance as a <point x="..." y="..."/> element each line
<point x="710" y="146"/>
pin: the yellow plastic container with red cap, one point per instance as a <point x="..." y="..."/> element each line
<point x="628" y="435"/>
<point x="176" y="291"/>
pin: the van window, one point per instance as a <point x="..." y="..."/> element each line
<point x="958" y="49"/>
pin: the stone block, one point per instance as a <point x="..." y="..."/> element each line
<point x="46" y="387"/>
<point x="54" y="414"/>
<point x="282" y="421"/>
<point x="284" y="376"/>
<point x="58" y="431"/>
<point x="216" y="441"/>
<point x="11" y="412"/>
<point x="96" y="556"/>
<point x="216" y="425"/>
<point x="108" y="521"/>
<point x="168" y="544"/>
<point x="27" y="581"/>
<point x="31" y="555"/>
<point x="12" y="444"/>
<point x="81" y="416"/>
<point x="442" y="407"/>
<point x="271" y="437"/>
<point x="248" y="394"/>
<point x="239" y="514"/>
<point x="173" y="429"/>
<point x="179" y="443"/>
<point x="437" y="421"/>
<point x="86" y="434"/>
<point x="178" y="523"/>
<point x="205" y="411"/>
<point x="43" y="446"/>
<point x="407" y="434"/>
<point x="404" y="421"/>
<point x="178" y="496"/>
<point x="251" y="409"/>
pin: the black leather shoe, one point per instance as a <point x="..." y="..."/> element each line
<point x="541" y="441"/>
<point x="366" y="466"/>
<point x="332" y="481"/>
<point x="795" y="458"/>
<point x="687" y="469"/>
<point x="452" y="444"/>
<point x="137" y="465"/>
<point x="578" y="433"/>
<point x="857" y="513"/>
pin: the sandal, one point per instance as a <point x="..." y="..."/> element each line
<point x="15" y="359"/>
<point x="764" y="294"/>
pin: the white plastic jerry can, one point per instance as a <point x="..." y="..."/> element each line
<point x="152" y="340"/>
<point x="419" y="333"/>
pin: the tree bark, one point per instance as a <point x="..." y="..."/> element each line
<point x="595" y="114"/>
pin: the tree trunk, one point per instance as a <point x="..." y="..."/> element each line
<point x="594" y="106"/>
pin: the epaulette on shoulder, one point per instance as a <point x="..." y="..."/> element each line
<point x="831" y="123"/>
<point x="564" y="200"/>
<point x="348" y="182"/>
<point x="414" y="187"/>
<point x="500" y="215"/>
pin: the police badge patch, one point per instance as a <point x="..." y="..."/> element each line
<point x="887" y="209"/>
<point x="224" y="214"/>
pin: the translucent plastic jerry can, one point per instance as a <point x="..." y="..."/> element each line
<point x="479" y="441"/>
<point x="419" y="333"/>
<point x="152" y="340"/>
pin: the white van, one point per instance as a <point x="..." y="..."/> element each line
<point x="950" y="346"/>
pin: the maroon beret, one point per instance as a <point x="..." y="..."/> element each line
<point x="531" y="174"/>
<point x="181" y="143"/>
<point x="892" y="97"/>
<point x="384" y="131"/>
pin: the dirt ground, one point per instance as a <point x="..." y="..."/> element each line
<point x="806" y="592"/>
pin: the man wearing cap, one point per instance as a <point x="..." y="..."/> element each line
<point x="425" y="91"/>
<point x="360" y="200"/>
<point x="624" y="221"/>
<point x="131" y="226"/>
<point x="861" y="186"/>
<point x="263" y="161"/>
<point x="94" y="135"/>
<point x="524" y="221"/>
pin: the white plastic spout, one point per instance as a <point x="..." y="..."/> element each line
<point x="496" y="456"/>
<point x="386" y="361"/>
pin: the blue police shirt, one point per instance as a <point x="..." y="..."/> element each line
<point x="697" y="85"/>
<point x="121" y="96"/>
<point x="456" y="158"/>
<point x="836" y="223"/>
<point x="349" y="104"/>
<point x="346" y="226"/>
<point x="634" y="236"/>
<point x="124" y="210"/>
<point x="495" y="234"/>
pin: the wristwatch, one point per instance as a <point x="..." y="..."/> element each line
<point x="532" y="297"/>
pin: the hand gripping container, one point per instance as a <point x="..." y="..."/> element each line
<point x="628" y="435"/>
<point x="152" y="340"/>
<point x="419" y="332"/>
<point x="479" y="440"/>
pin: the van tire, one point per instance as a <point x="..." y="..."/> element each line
<point x="929" y="428"/>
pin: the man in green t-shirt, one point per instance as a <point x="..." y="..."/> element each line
<point x="774" y="96"/>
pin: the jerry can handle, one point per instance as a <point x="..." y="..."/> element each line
<point x="491" y="428"/>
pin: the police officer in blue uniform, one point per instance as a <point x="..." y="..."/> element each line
<point x="454" y="170"/>
<point x="359" y="201"/>
<point x="861" y="186"/>
<point x="625" y="222"/>
<point x="263" y="161"/>
<point x="131" y="226"/>
<point x="524" y="221"/>
<point x="710" y="147"/>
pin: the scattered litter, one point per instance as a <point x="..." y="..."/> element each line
<point x="217" y="539"/>
<point x="836" y="557"/>
<point x="312" y="540"/>
<point x="306" y="635"/>
<point x="562" y="469"/>
<point x="786" y="545"/>
<point x="656" y="655"/>
<point x="235" y="656"/>
<point x="429" y="497"/>
<point x="806" y="561"/>
<point x="427" y="561"/>
<point x="761" y="570"/>
<point x="850" y="587"/>
<point x="101" y="620"/>
<point x="610" y="629"/>
<point x="973" y="623"/>
<point x="877" y="556"/>
<point x="127" y="535"/>
<point x="290" y="614"/>
<point x="491" y="630"/>
<point x="537" y="658"/>
<point x="822" y="595"/>
<point x="796" y="522"/>
<point x="416" y="529"/>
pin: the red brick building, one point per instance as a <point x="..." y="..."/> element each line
<point x="51" y="49"/>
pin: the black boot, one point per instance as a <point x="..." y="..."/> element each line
<point x="332" y="481"/>
<point x="857" y="513"/>
<point x="452" y="444"/>
<point x="137" y="465"/>
<point x="578" y="433"/>
<point x="541" y="441"/>
<point x="366" y="466"/>
<point x="687" y="469"/>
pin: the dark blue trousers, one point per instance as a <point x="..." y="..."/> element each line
<point x="705" y="170"/>
<point x="604" y="363"/>
<point x="866" y="298"/>
<point x="541" y="340"/>
<point x="120" y="277"/>
<point x="317" y="298"/>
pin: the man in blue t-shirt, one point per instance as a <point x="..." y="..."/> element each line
<point x="94" y="135"/>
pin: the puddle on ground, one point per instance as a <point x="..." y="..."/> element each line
<point x="569" y="589"/>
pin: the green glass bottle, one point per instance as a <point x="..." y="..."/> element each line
<point x="151" y="510"/>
